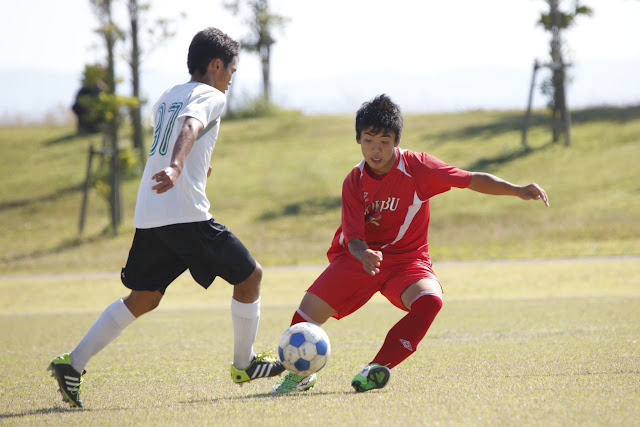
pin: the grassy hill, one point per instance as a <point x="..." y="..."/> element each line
<point x="276" y="183"/>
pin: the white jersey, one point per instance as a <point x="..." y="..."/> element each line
<point x="187" y="200"/>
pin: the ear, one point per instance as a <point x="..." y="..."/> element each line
<point x="215" y="64"/>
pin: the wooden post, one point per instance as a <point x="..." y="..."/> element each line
<point x="565" y="114"/>
<point x="85" y="191"/>
<point x="567" y="125"/>
<point x="525" y="125"/>
<point x="560" y="115"/>
<point x="114" y="182"/>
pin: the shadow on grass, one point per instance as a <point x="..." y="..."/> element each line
<point x="610" y="114"/>
<point x="64" y="245"/>
<point x="491" y="164"/>
<point x="12" y="204"/>
<point x="67" y="410"/>
<point x="64" y="138"/>
<point x="42" y="411"/>
<point x="308" y="394"/>
<point x="305" y="207"/>
<point x="510" y="122"/>
<point x="71" y="137"/>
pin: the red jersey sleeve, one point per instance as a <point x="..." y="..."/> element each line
<point x="433" y="176"/>
<point x="352" y="207"/>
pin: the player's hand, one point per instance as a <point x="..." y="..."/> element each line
<point x="371" y="261"/>
<point x="534" y="192"/>
<point x="165" y="179"/>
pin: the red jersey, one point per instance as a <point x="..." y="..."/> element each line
<point x="391" y="213"/>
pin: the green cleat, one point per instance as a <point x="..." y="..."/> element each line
<point x="292" y="382"/>
<point x="263" y="365"/>
<point x="371" y="377"/>
<point x="69" y="380"/>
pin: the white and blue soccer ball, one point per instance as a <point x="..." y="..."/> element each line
<point x="304" y="348"/>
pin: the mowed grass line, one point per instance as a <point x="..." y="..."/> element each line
<point x="549" y="343"/>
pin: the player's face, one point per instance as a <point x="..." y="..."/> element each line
<point x="378" y="150"/>
<point x="222" y="77"/>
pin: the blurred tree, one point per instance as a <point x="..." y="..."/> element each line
<point x="112" y="104"/>
<point x="111" y="34"/>
<point x="134" y="63"/>
<point x="156" y="33"/>
<point x="89" y="110"/>
<point x="262" y="24"/>
<point x="555" y="21"/>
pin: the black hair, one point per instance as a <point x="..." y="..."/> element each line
<point x="382" y="114"/>
<point x="208" y="45"/>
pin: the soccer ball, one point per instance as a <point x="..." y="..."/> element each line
<point x="304" y="348"/>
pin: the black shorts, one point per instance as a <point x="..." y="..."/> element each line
<point x="208" y="249"/>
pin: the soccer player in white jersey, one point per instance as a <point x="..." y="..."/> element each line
<point x="174" y="229"/>
<point x="381" y="244"/>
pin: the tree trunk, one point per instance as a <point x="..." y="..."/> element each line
<point x="114" y="179"/>
<point x="560" y="117"/>
<point x="265" y="56"/>
<point x="527" y="116"/>
<point x="136" y="116"/>
<point x="112" y="124"/>
<point x="555" y="112"/>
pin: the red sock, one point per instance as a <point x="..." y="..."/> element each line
<point x="403" y="338"/>
<point x="297" y="318"/>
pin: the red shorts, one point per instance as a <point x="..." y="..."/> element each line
<point x="346" y="287"/>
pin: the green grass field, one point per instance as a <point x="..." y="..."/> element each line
<point x="539" y="339"/>
<point x="518" y="343"/>
<point x="276" y="183"/>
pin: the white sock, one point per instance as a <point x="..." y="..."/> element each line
<point x="306" y="317"/>
<point x="246" y="317"/>
<point x="113" y="320"/>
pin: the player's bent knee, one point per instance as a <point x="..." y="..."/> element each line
<point x="248" y="291"/>
<point x="141" y="302"/>
<point x="316" y="308"/>
<point x="254" y="278"/>
<point x="257" y="273"/>
<point x="426" y="304"/>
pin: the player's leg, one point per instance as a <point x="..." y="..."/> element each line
<point x="245" y="313"/>
<point x="150" y="268"/>
<point x="341" y="289"/>
<point x="423" y="300"/>
<point x="110" y="325"/>
<point x="248" y="290"/>
<point x="68" y="368"/>
<point x="313" y="309"/>
<point x="142" y="302"/>
<point x="216" y="251"/>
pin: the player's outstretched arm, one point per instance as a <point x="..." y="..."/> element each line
<point x="490" y="184"/>
<point x="168" y="176"/>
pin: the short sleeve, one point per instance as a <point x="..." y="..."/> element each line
<point x="433" y="176"/>
<point x="205" y="104"/>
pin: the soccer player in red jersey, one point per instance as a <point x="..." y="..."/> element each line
<point x="381" y="244"/>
